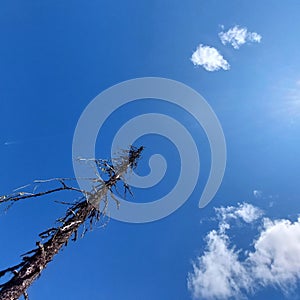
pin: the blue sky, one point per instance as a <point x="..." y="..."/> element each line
<point x="55" y="57"/>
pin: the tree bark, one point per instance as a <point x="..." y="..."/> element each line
<point x="34" y="265"/>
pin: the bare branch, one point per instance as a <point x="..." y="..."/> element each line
<point x="26" y="195"/>
<point x="86" y="210"/>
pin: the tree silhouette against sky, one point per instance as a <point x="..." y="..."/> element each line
<point x="90" y="208"/>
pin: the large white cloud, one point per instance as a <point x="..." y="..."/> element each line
<point x="220" y="273"/>
<point x="237" y="36"/>
<point x="276" y="259"/>
<point x="209" y="58"/>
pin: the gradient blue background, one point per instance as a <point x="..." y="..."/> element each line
<point x="56" y="56"/>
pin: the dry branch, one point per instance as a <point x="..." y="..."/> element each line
<point x="85" y="210"/>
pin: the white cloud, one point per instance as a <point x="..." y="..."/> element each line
<point x="257" y="194"/>
<point x="220" y="273"/>
<point x="209" y="58"/>
<point x="276" y="259"/>
<point x="237" y="36"/>
<point x="247" y="212"/>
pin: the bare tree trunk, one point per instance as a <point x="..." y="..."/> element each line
<point x="34" y="265"/>
<point x="88" y="209"/>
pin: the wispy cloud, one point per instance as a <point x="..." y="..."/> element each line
<point x="237" y="36"/>
<point x="209" y="58"/>
<point x="8" y="143"/>
<point x="247" y="212"/>
<point x="257" y="194"/>
<point x="218" y="273"/>
<point x="221" y="273"/>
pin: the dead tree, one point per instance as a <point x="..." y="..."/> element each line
<point x="86" y="210"/>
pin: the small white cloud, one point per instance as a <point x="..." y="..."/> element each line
<point x="237" y="36"/>
<point x="247" y="212"/>
<point x="220" y="273"/>
<point x="209" y="58"/>
<point x="257" y="194"/>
